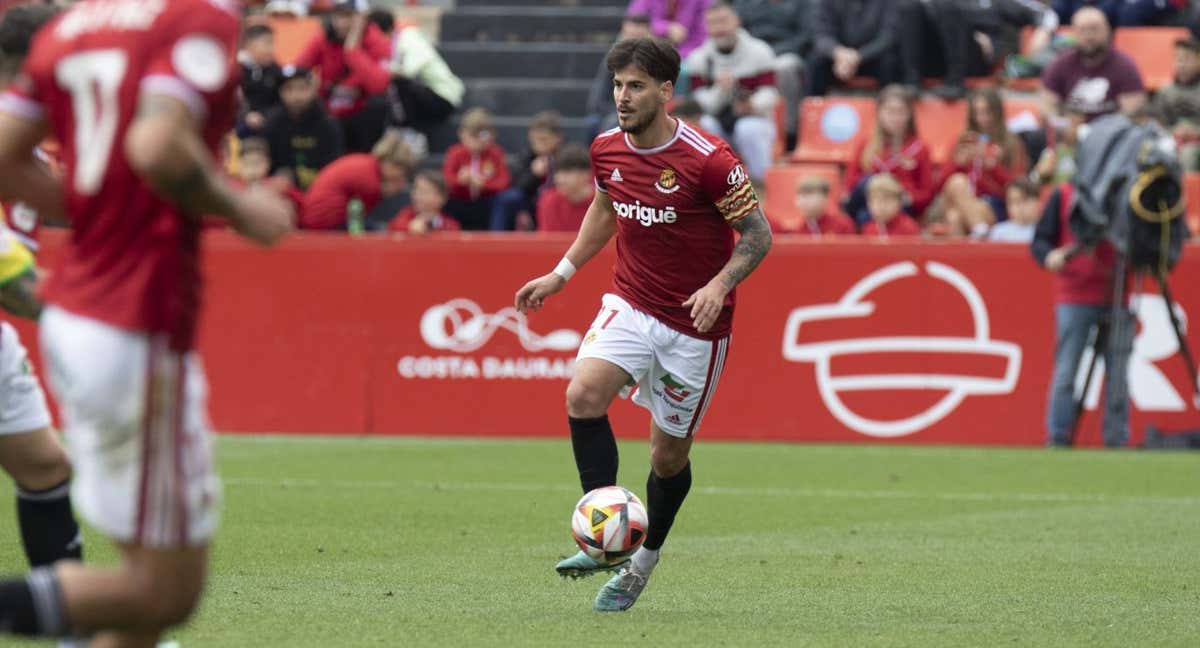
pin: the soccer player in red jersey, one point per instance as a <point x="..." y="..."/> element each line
<point x="673" y="196"/>
<point x="139" y="93"/>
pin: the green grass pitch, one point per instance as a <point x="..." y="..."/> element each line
<point x="424" y="542"/>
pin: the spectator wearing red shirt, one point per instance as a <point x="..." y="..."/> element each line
<point x="475" y="170"/>
<point x="352" y="58"/>
<point x="254" y="167"/>
<point x="894" y="148"/>
<point x="425" y="214"/>
<point x="813" y="216"/>
<point x="884" y="199"/>
<point x="369" y="177"/>
<point x="561" y="208"/>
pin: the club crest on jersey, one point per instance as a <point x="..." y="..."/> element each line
<point x="667" y="182"/>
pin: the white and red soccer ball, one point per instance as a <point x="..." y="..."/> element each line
<point x="609" y="524"/>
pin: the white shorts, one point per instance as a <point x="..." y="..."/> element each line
<point x="676" y="374"/>
<point x="22" y="402"/>
<point x="136" y="429"/>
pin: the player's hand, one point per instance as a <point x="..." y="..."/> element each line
<point x="533" y="295"/>
<point x="264" y="216"/>
<point x="706" y="305"/>
<point x="540" y="166"/>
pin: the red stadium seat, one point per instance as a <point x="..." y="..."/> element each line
<point x="292" y="35"/>
<point x="1191" y="196"/>
<point x="940" y="123"/>
<point x="780" y="187"/>
<point x="830" y="127"/>
<point x="1153" y="49"/>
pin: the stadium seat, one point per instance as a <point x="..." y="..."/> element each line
<point x="1153" y="49"/>
<point x="830" y="127"/>
<point x="781" y="181"/>
<point x="940" y="123"/>
<point x="292" y="35"/>
<point x="1191" y="196"/>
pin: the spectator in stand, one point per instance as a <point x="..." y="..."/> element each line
<point x="254" y="167"/>
<point x="813" y="216"/>
<point x="515" y="207"/>
<point x="1023" y="213"/>
<point x="424" y="92"/>
<point x="303" y="138"/>
<point x="679" y="21"/>
<point x="884" y="201"/>
<point x="895" y="148"/>
<point x="601" y="113"/>
<point x="261" y="77"/>
<point x="1177" y="105"/>
<point x="427" y="212"/>
<point x="1124" y="13"/>
<point x="1092" y="78"/>
<point x="475" y="170"/>
<point x="1083" y="289"/>
<point x="785" y="25"/>
<point x="1056" y="164"/>
<point x="985" y="160"/>
<point x="350" y="57"/>
<point x="368" y="177"/>
<point x="733" y="79"/>
<point x="561" y="208"/>
<point x="689" y="110"/>
<point x="853" y="38"/>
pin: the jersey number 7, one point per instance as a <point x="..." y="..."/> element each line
<point x="94" y="80"/>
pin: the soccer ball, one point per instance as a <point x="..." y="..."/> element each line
<point x="609" y="524"/>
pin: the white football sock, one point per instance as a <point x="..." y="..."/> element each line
<point x="644" y="560"/>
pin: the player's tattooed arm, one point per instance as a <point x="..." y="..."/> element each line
<point x="19" y="296"/>
<point x="751" y="248"/>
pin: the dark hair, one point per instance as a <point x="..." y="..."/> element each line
<point x="383" y="19"/>
<point x="434" y="178"/>
<point x="721" y="4"/>
<point x="637" y="18"/>
<point x="688" y="107"/>
<point x="1190" y="44"/>
<point x="547" y="120"/>
<point x="19" y="25"/>
<point x="1025" y="186"/>
<point x="654" y="56"/>
<point x="256" y="31"/>
<point x="573" y="157"/>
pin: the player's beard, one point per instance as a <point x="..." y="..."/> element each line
<point x="637" y="122"/>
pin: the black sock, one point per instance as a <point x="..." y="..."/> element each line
<point x="664" y="496"/>
<point x="48" y="528"/>
<point x="595" y="452"/>
<point x="33" y="606"/>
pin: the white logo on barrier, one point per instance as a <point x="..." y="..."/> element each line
<point x="460" y="325"/>
<point x="957" y="387"/>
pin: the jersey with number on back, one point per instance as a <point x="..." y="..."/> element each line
<point x="674" y="204"/>
<point x="133" y="259"/>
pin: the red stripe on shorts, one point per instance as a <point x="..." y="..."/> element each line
<point x="180" y="482"/>
<point x="147" y="437"/>
<point x="712" y="365"/>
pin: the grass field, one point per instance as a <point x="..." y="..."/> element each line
<point x="422" y="542"/>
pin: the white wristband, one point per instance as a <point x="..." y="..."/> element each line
<point x="565" y="269"/>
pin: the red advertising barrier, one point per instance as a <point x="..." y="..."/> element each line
<point x="845" y="341"/>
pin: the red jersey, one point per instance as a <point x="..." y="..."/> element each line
<point x="829" y="224"/>
<point x="349" y="177"/>
<point x="901" y="225"/>
<point x="555" y="213"/>
<point x="133" y="258"/>
<point x="439" y="223"/>
<point x="911" y="165"/>
<point x="21" y="219"/>
<point x="674" y="205"/>
<point x="490" y="163"/>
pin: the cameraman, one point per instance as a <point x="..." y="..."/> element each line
<point x="1083" y="292"/>
<point x="733" y="79"/>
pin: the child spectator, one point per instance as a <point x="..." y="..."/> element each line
<point x="561" y="208"/>
<point x="254" y="167"/>
<point x="303" y="138"/>
<point x="885" y="197"/>
<point x="893" y="147"/>
<point x="514" y="207"/>
<point x="368" y="177"/>
<point x="261" y="76"/>
<point x="425" y="214"/>
<point x="1178" y="104"/>
<point x="1056" y="164"/>
<point x="1023" y="214"/>
<point x="814" y="217"/>
<point x="475" y="170"/>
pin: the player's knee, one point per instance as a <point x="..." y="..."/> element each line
<point x="585" y="401"/>
<point x="958" y="186"/>
<point x="666" y="460"/>
<point x="167" y="602"/>
<point x="44" y="466"/>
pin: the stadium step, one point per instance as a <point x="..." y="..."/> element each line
<point x="531" y="24"/>
<point x="529" y="96"/>
<point x="511" y="132"/>
<point x="533" y="60"/>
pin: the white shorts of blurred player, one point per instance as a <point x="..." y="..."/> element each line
<point x="137" y="431"/>
<point x="22" y="402"/>
<point x="675" y="374"/>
